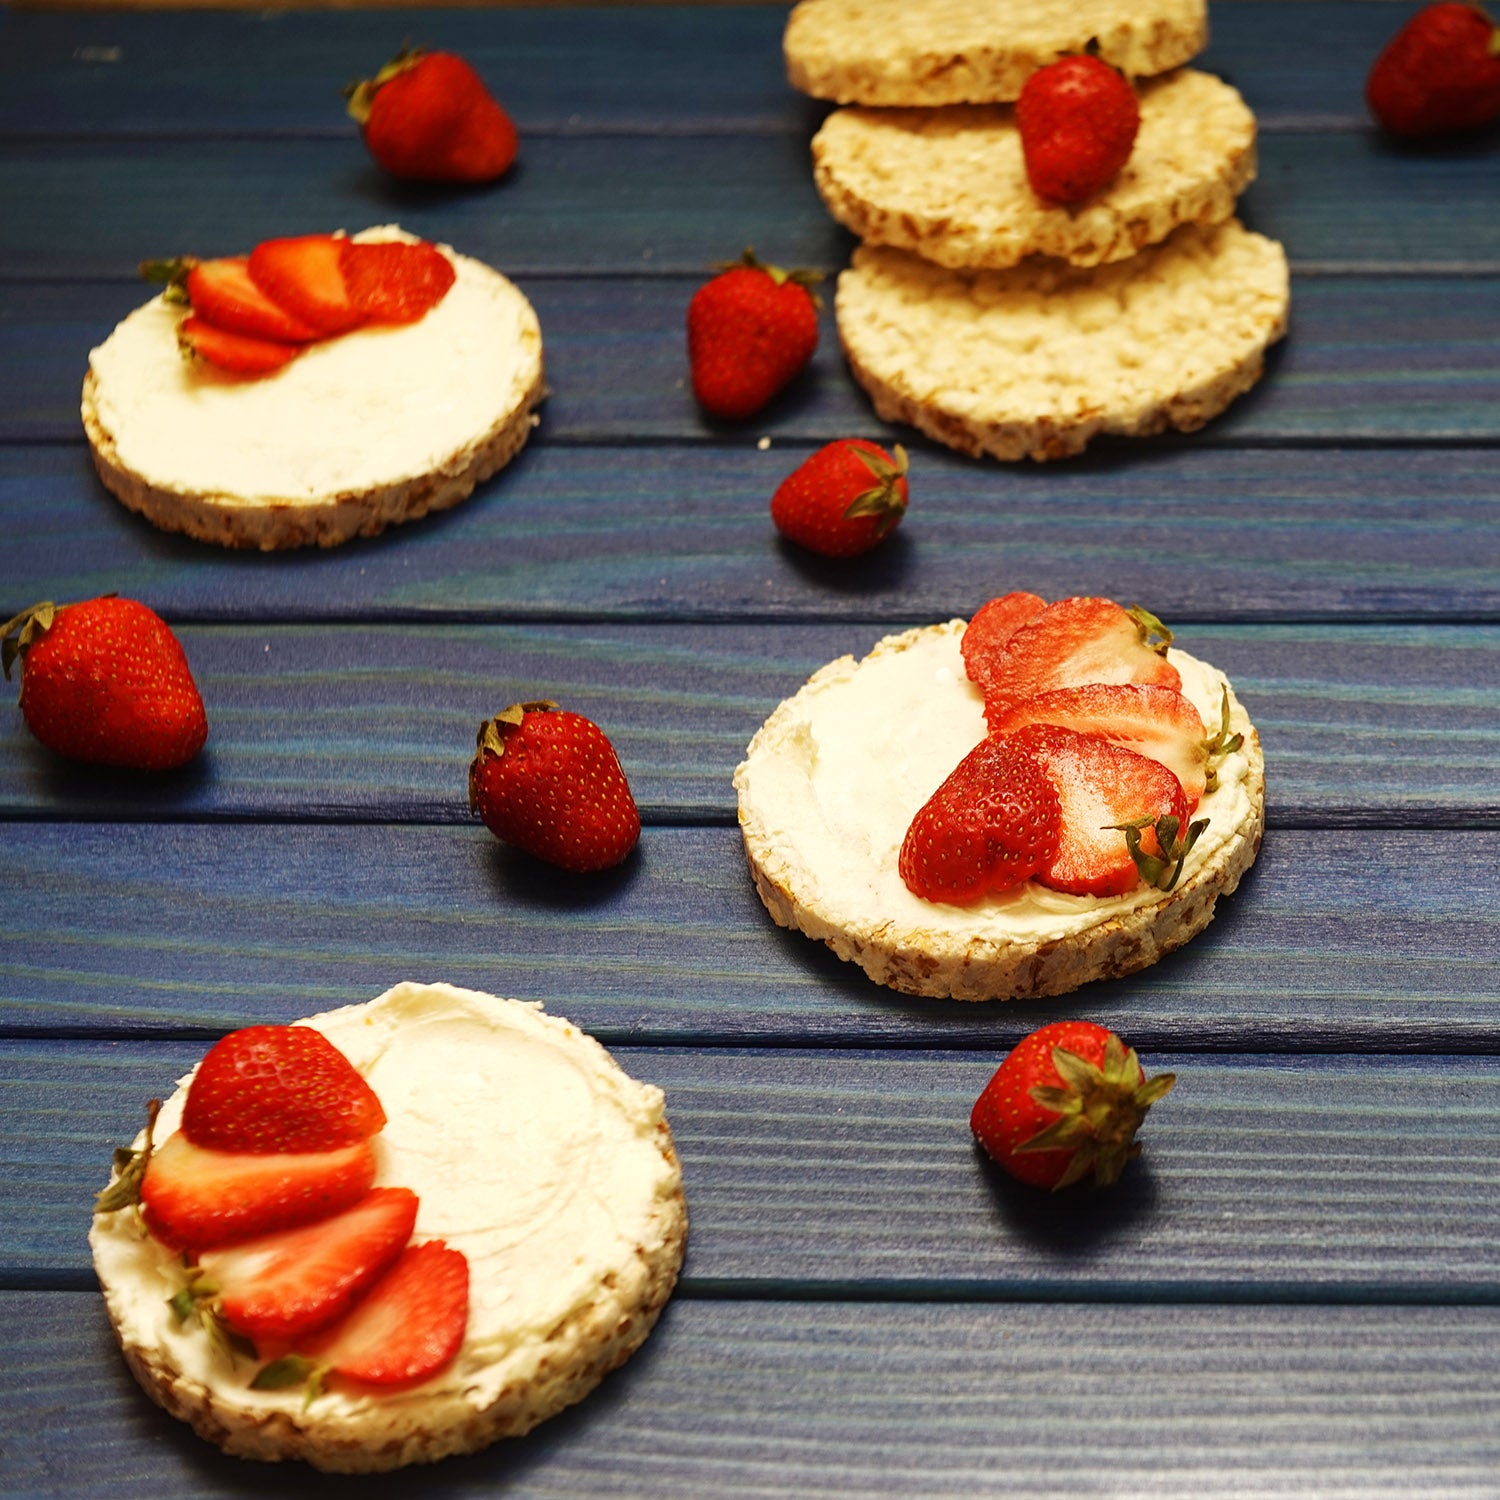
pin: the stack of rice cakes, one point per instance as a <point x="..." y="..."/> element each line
<point x="991" y="320"/>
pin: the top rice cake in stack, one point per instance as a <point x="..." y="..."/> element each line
<point x="994" y="321"/>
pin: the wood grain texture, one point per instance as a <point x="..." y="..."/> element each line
<point x="183" y="929"/>
<point x="647" y="533"/>
<point x="854" y="1173"/>
<point x="1362" y="725"/>
<point x="660" y="204"/>
<point x="919" y="1399"/>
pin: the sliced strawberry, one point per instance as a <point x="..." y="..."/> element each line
<point x="278" y="1088"/>
<point x="239" y="353"/>
<point x="1076" y="641"/>
<point x="223" y="294"/>
<point x="991" y="628"/>
<point x="282" y="1286"/>
<point x="410" y="1324"/>
<point x="993" y="823"/>
<point x="305" y="276"/>
<point x="196" y="1199"/>
<point x="1154" y="721"/>
<point x="391" y="281"/>
<point x="1103" y="788"/>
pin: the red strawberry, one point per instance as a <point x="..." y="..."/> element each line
<point x="393" y="281"/>
<point x="1078" y="120"/>
<point x="409" y="1326"/>
<point x="992" y="824"/>
<point x="844" y="499"/>
<point x="1153" y="721"/>
<point x="285" y="1285"/>
<point x="106" y="681"/>
<point x="1073" y="642"/>
<point x="278" y="1088"/>
<point x="549" y="781"/>
<point x="991" y="627"/>
<point x="1124" y="817"/>
<point x="305" y="275"/>
<point x="750" y="330"/>
<point x="237" y="353"/>
<point x="428" y="115"/>
<point x="1065" y="1103"/>
<point x="222" y="293"/>
<point x="1439" y="74"/>
<point x="197" y="1199"/>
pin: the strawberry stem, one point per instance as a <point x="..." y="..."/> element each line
<point x="130" y="1168"/>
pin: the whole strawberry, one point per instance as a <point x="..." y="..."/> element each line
<point x="1066" y="1103"/>
<point x="1439" y="74"/>
<point x="750" y="331"/>
<point x="106" y="681"/>
<point x="428" y="116"/>
<point x="848" y="496"/>
<point x="1078" y="120"/>
<point x="549" y="782"/>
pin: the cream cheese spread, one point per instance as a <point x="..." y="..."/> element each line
<point x="834" y="778"/>
<point x="374" y="407"/>
<point x="530" y="1151"/>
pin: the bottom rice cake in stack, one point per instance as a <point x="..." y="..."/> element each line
<point x="995" y="320"/>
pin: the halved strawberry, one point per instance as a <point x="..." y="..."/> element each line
<point x="392" y="281"/>
<point x="238" y="353"/>
<point x="991" y="627"/>
<point x="410" y="1324"/>
<point x="278" y="1088"/>
<point x="223" y="294"/>
<point x="197" y="1199"/>
<point x="1106" y="790"/>
<point x="1154" y="721"/>
<point x="285" y="1285"/>
<point x="993" y="823"/>
<point x="1075" y="641"/>
<point x="304" y="274"/>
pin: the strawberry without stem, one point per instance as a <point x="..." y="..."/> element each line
<point x="549" y="782"/>
<point x="106" y="681"/>
<point x="1066" y="1103"/>
<point x="278" y="1088"/>
<point x="1104" y="790"/>
<point x="1078" y="120"/>
<point x="428" y="116"/>
<point x="993" y="823"/>
<point x="1440" y="74"/>
<point x="394" y="281"/>
<point x="235" y="353"/>
<point x="750" y="331"/>
<point x="844" y="499"/>
<point x="283" y="1286"/>
<point x="305" y="275"/>
<point x="197" y="1199"/>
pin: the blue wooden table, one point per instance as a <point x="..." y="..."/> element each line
<point x="1295" y="1291"/>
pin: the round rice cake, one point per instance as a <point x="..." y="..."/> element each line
<point x="1035" y="361"/>
<point x="533" y="1153"/>
<point x="902" y="52"/>
<point x="832" y="780"/>
<point x="950" y="182"/>
<point x="357" y="433"/>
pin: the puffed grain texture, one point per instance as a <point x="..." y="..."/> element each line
<point x="950" y="182"/>
<point x="576" y="1356"/>
<point x="936" y="962"/>
<point x="904" y="52"/>
<point x="1035" y="361"/>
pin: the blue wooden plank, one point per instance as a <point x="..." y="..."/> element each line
<point x="854" y="1173"/>
<point x="1362" y="940"/>
<point x="639" y="68"/>
<point x="1361" y="725"/>
<point x="1389" y="359"/>
<point x="668" y="205"/>
<point x="663" y="533"/>
<point x="917" y="1399"/>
